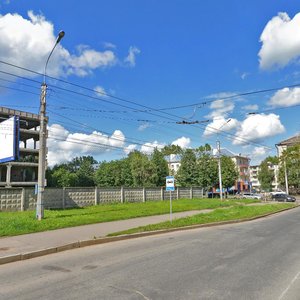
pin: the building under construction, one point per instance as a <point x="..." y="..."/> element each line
<point x="24" y="171"/>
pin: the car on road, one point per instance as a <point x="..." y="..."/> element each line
<point x="283" y="197"/>
<point x="251" y="196"/>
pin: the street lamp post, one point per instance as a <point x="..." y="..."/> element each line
<point x="219" y="162"/>
<point x="42" y="139"/>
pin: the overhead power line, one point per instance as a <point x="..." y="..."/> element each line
<point x="129" y="101"/>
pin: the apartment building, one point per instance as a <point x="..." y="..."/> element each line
<point x="254" y="170"/>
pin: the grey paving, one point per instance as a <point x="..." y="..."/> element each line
<point x="55" y="238"/>
<point x="257" y="260"/>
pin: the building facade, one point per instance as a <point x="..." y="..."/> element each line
<point x="255" y="184"/>
<point x="24" y="171"/>
<point x="295" y="140"/>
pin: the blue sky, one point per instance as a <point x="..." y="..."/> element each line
<point x="155" y="54"/>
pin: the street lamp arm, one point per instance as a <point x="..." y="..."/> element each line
<point x="59" y="37"/>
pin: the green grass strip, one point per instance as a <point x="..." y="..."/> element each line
<point x="16" y="223"/>
<point x="233" y="213"/>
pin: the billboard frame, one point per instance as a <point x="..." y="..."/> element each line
<point x="16" y="138"/>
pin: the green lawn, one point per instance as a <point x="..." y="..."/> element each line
<point x="218" y="215"/>
<point x="15" y="223"/>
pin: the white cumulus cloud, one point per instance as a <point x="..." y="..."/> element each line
<point x="148" y="148"/>
<point x="27" y="42"/>
<point x="280" y="41"/>
<point x="258" y="127"/>
<point x="285" y="97"/>
<point x="221" y="108"/>
<point x="220" y="124"/>
<point x="63" y="145"/>
<point x="259" y="151"/>
<point x="182" y="142"/>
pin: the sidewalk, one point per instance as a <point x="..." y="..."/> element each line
<point x="34" y="242"/>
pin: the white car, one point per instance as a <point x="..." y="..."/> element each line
<point x="277" y="192"/>
<point x="251" y="196"/>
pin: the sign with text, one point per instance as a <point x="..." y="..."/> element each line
<point x="170" y="183"/>
<point x="9" y="139"/>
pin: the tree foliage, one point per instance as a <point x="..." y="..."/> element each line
<point x="188" y="174"/>
<point x="265" y="174"/>
<point x="291" y="160"/>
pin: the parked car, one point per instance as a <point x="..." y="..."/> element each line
<point x="283" y="197"/>
<point x="251" y="196"/>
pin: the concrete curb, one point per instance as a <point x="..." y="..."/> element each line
<point x="104" y="240"/>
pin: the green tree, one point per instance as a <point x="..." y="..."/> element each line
<point x="142" y="169"/>
<point x="64" y="178"/>
<point x="171" y="149"/>
<point x="160" y="166"/>
<point x="85" y="173"/>
<point x="291" y="160"/>
<point x="265" y="174"/>
<point x="187" y="174"/>
<point x="207" y="168"/>
<point x="229" y="172"/>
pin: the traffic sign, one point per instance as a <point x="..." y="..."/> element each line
<point x="170" y="183"/>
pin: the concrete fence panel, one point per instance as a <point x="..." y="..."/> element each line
<point x="53" y="198"/>
<point x="107" y="195"/>
<point x="18" y="199"/>
<point x="133" y="195"/>
<point x="153" y="194"/>
<point x="10" y="199"/>
<point x="79" y="197"/>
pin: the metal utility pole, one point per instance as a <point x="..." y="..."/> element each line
<point x="43" y="139"/>
<point x="219" y="162"/>
<point x="286" y="178"/>
<point x="220" y="169"/>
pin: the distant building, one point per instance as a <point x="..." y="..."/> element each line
<point x="254" y="170"/>
<point x="242" y="163"/>
<point x="295" y="140"/>
<point x="23" y="172"/>
<point x="174" y="162"/>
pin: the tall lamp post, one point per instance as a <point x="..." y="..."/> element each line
<point x="219" y="161"/>
<point x="42" y="139"/>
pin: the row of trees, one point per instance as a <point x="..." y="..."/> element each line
<point x="198" y="168"/>
<point x="289" y="162"/>
<point x="135" y="170"/>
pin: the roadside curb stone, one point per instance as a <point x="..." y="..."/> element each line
<point x="109" y="239"/>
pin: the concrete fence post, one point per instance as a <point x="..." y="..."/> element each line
<point x="162" y="193"/>
<point x="96" y="195"/>
<point x="177" y="190"/>
<point x="64" y="198"/>
<point x="191" y="192"/>
<point x="122" y="195"/>
<point x="23" y="199"/>
<point x="202" y="193"/>
<point x="144" y="194"/>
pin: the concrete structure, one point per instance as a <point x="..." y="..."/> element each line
<point x="24" y="171"/>
<point x="254" y="170"/>
<point x="20" y="199"/>
<point x="295" y="140"/>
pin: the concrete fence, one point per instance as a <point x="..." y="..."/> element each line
<point x="20" y="199"/>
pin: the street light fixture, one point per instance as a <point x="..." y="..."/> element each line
<point x="219" y="161"/>
<point x="42" y="139"/>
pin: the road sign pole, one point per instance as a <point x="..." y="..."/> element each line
<point x="171" y="206"/>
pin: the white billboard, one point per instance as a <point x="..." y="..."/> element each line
<point x="9" y="139"/>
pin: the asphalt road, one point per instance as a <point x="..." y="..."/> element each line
<point x="252" y="260"/>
